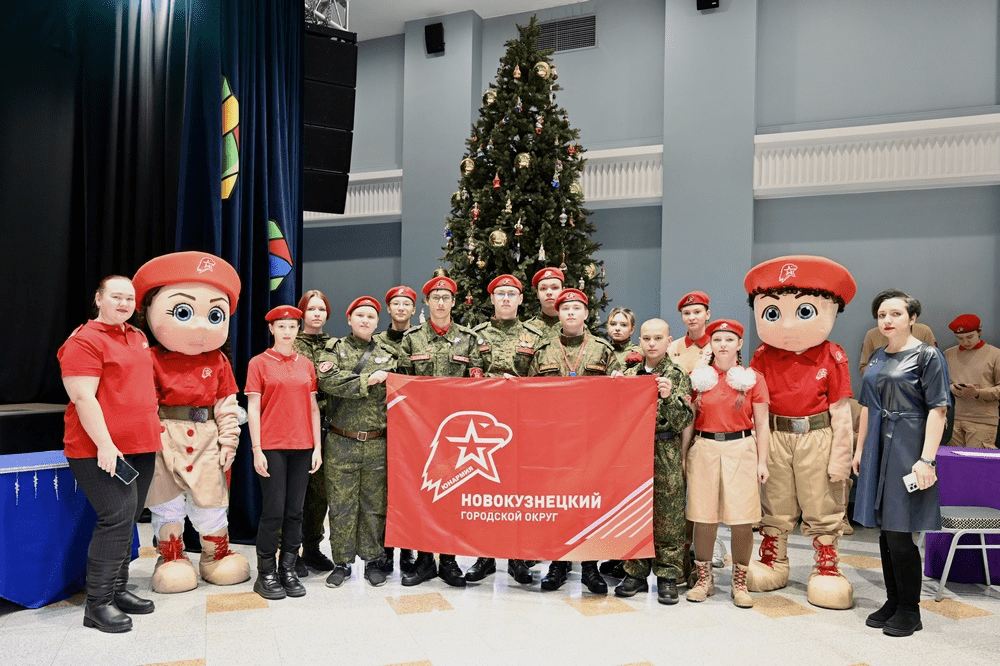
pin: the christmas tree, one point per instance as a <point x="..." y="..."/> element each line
<point x="519" y="204"/>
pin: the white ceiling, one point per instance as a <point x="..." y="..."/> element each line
<point x="381" y="18"/>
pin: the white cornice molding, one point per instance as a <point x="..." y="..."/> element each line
<point x="374" y="196"/>
<point x="912" y="155"/>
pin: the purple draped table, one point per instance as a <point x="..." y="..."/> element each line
<point x="967" y="477"/>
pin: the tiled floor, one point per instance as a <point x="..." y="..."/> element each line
<point x="503" y="623"/>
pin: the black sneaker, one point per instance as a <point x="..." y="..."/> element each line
<point x="631" y="586"/>
<point x="374" y="574"/>
<point x="339" y="574"/>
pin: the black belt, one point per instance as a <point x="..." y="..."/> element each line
<point x="185" y="413"/>
<point x="361" y="436"/>
<point x="800" y="425"/>
<point x="724" y="436"/>
<point x="666" y="434"/>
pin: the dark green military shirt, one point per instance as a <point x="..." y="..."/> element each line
<point x="673" y="413"/>
<point x="582" y="355"/>
<point x="508" y="346"/>
<point x="423" y="352"/>
<point x="549" y="326"/>
<point x="311" y="345"/>
<point x="391" y="337"/>
<point x="623" y="349"/>
<point x="361" y="407"/>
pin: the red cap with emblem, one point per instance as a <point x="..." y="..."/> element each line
<point x="693" y="298"/>
<point x="363" y="300"/>
<point x="567" y="295"/>
<point x="801" y="272"/>
<point x="725" y="325"/>
<point x="400" y="291"/>
<point x="283" y="312"/>
<point x="546" y="274"/>
<point x="180" y="267"/>
<point x="504" y="281"/>
<point x="965" y="323"/>
<point x="440" y="283"/>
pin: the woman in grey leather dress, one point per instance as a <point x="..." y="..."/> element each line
<point x="904" y="399"/>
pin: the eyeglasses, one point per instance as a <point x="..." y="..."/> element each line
<point x="441" y="298"/>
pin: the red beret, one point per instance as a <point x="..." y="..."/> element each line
<point x="567" y="295"/>
<point x="693" y="298"/>
<point x="400" y="291"/>
<point x="725" y="325"/>
<point x="363" y="300"/>
<point x="188" y="267"/>
<point x="965" y="323"/>
<point x="283" y="312"/>
<point x="547" y="273"/>
<point x="440" y="283"/>
<point x="802" y="272"/>
<point x="504" y="281"/>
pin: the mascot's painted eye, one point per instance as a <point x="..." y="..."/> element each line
<point x="216" y="316"/>
<point x="771" y="313"/>
<point x="805" y="311"/>
<point x="183" y="312"/>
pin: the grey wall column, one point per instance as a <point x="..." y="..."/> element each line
<point x="708" y="129"/>
<point x="441" y="97"/>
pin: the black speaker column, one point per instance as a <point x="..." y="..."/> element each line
<point x="434" y="38"/>
<point x="331" y="75"/>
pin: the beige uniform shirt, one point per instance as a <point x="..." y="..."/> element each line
<point x="980" y="367"/>
<point x="688" y="357"/>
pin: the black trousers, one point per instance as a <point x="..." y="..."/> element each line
<point x="283" y="494"/>
<point x="117" y="505"/>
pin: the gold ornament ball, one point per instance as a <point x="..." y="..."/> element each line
<point x="498" y="238"/>
<point x="590" y="270"/>
<point x="522" y="160"/>
<point x="542" y="69"/>
<point x="489" y="97"/>
<point x="468" y="166"/>
<point x="576" y="188"/>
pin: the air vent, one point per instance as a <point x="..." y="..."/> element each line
<point x="579" y="32"/>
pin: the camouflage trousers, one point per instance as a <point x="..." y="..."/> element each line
<point x="669" y="498"/>
<point x="355" y="474"/>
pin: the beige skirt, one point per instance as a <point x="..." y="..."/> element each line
<point x="722" y="482"/>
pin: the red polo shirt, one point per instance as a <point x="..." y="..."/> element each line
<point x="717" y="410"/>
<point x="285" y="384"/>
<point x="198" y="381"/>
<point x="120" y="358"/>
<point x="803" y="384"/>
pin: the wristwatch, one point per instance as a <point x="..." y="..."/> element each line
<point x="932" y="463"/>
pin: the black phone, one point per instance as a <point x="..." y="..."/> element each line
<point x="124" y="471"/>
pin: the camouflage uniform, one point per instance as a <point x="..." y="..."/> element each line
<point x="509" y="346"/>
<point x="314" y="511"/>
<point x="623" y="349"/>
<point x="549" y="326"/>
<point x="355" y="471"/>
<point x="598" y="357"/>
<point x="673" y="414"/>
<point x="391" y="338"/>
<point x="423" y="352"/>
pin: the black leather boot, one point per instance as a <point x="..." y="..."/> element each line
<point x="100" y="612"/>
<point x="888" y="609"/>
<point x="631" y="586"/>
<point x="666" y="591"/>
<point x="387" y="565"/>
<point x="555" y="577"/>
<point x="520" y="571"/>
<point x="481" y="568"/>
<point x="592" y="578"/>
<point x="406" y="560"/>
<point x="909" y="577"/>
<point x="125" y="600"/>
<point x="450" y="572"/>
<point x="423" y="569"/>
<point x="267" y="584"/>
<point x="315" y="559"/>
<point x="287" y="576"/>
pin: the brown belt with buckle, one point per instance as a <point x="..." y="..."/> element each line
<point x="362" y="436"/>
<point x="800" y="425"/>
<point x="185" y="413"/>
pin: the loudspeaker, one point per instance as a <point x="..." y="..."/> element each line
<point x="434" y="38"/>
<point x="704" y="5"/>
<point x="330" y="72"/>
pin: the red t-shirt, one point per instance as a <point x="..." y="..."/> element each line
<point x="120" y="358"/>
<point x="285" y="384"/>
<point x="804" y="384"/>
<point x="197" y="381"/>
<point x="717" y="411"/>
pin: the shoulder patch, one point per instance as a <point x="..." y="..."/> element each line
<point x="411" y="329"/>
<point x="838" y="353"/>
<point x="604" y="342"/>
<point x="531" y="326"/>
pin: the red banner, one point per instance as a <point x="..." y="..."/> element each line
<point x="546" y="468"/>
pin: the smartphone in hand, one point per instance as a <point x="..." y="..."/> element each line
<point x="125" y="472"/>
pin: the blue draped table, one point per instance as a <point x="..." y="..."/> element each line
<point x="45" y="528"/>
<point x="967" y="477"/>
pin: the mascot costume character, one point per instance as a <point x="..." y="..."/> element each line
<point x="185" y="301"/>
<point x="795" y="303"/>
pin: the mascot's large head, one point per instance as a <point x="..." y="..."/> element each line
<point x="796" y="299"/>
<point x="186" y="299"/>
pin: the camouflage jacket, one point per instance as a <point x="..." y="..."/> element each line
<point x="361" y="407"/>
<point x="423" y="352"/>
<point x="391" y="338"/>
<point x="549" y="326"/>
<point x="508" y="346"/>
<point x="623" y="349"/>
<point x="673" y="413"/>
<point x="311" y="346"/>
<point x="563" y="356"/>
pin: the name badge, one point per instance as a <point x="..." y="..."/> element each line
<point x="420" y="357"/>
<point x="461" y="359"/>
<point x="525" y="350"/>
